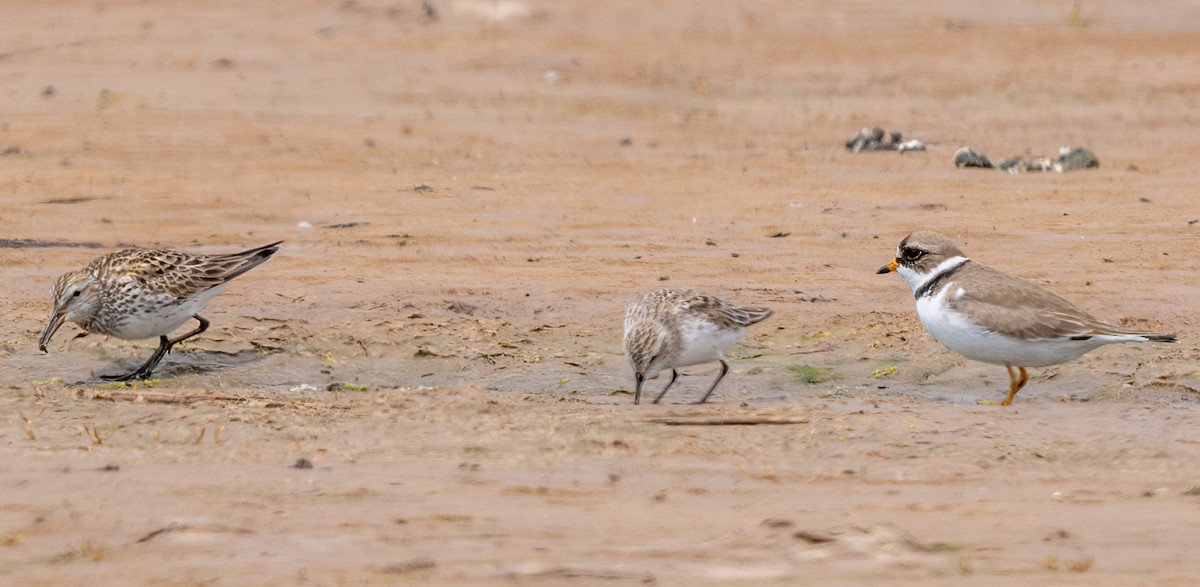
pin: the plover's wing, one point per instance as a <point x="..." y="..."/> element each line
<point x="1006" y="304"/>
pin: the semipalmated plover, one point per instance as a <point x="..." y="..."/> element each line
<point x="991" y="316"/>
<point x="674" y="328"/>
<point x="142" y="293"/>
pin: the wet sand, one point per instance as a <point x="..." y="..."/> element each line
<point x="471" y="193"/>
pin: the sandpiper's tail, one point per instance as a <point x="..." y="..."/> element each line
<point x="235" y="264"/>
<point x="748" y="316"/>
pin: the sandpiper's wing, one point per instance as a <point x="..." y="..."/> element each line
<point x="1009" y="305"/>
<point x="720" y="312"/>
<point x="180" y="274"/>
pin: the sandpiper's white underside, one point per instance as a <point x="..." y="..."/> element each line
<point x="160" y="315"/>
<point x="702" y="341"/>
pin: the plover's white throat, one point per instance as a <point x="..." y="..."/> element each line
<point x="142" y="293"/>
<point x="675" y="328"/>
<point x="993" y="317"/>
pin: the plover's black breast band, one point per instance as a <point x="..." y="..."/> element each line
<point x="938" y="280"/>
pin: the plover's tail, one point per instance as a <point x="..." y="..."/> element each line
<point x="1126" y="336"/>
<point x="1160" y="337"/>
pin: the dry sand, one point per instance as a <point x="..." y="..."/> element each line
<point x="470" y="195"/>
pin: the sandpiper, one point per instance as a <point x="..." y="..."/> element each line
<point x="674" y="328"/>
<point x="141" y="293"/>
<point x="990" y="316"/>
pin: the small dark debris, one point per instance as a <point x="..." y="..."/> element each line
<point x="223" y="63"/>
<point x="431" y="11"/>
<point x="1144" y="200"/>
<point x="460" y="307"/>
<point x="735" y="255"/>
<point x="1191" y="222"/>
<point x="664" y="278"/>
<point x="13" y="150"/>
<point x="777" y="523"/>
<point x="422" y="188"/>
<point x="302" y="463"/>
<point x="347" y="224"/>
<point x="781" y="235"/>
<point x="417" y="564"/>
<point x="48" y="91"/>
<point x="74" y="200"/>
<point x="111" y="467"/>
<point x="1059" y="534"/>
<point x="872" y="139"/>
<point x="625" y="142"/>
<point x="1106" y="260"/>
<point x="966" y="157"/>
<point x="1193" y="490"/>
<point x="1069" y="159"/>
<point x="813" y="537"/>
<point x="1132" y="167"/>
<point x="369" y="143"/>
<point x="483" y="188"/>
<point x="710" y="242"/>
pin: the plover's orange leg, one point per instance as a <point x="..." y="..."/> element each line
<point x="1015" y="383"/>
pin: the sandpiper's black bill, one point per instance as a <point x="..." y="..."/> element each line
<point x="56" y="321"/>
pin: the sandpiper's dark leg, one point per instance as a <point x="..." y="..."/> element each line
<point x="674" y="376"/>
<point x="637" y="393"/>
<point x="724" y="370"/>
<point x="164" y="347"/>
<point x="144" y="371"/>
<point x="201" y="328"/>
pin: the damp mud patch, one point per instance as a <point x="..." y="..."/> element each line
<point x="28" y="243"/>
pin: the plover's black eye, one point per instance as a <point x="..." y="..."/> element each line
<point x="76" y="294"/>
<point x="912" y="253"/>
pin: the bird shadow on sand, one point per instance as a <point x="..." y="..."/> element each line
<point x="187" y="362"/>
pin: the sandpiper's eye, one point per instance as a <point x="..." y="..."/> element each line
<point x="76" y="294"/>
<point x="912" y="253"/>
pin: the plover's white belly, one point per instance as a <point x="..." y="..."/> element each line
<point x="973" y="342"/>
<point x="702" y="341"/>
<point x="153" y="315"/>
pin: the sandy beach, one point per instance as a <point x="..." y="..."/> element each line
<point x="426" y="384"/>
